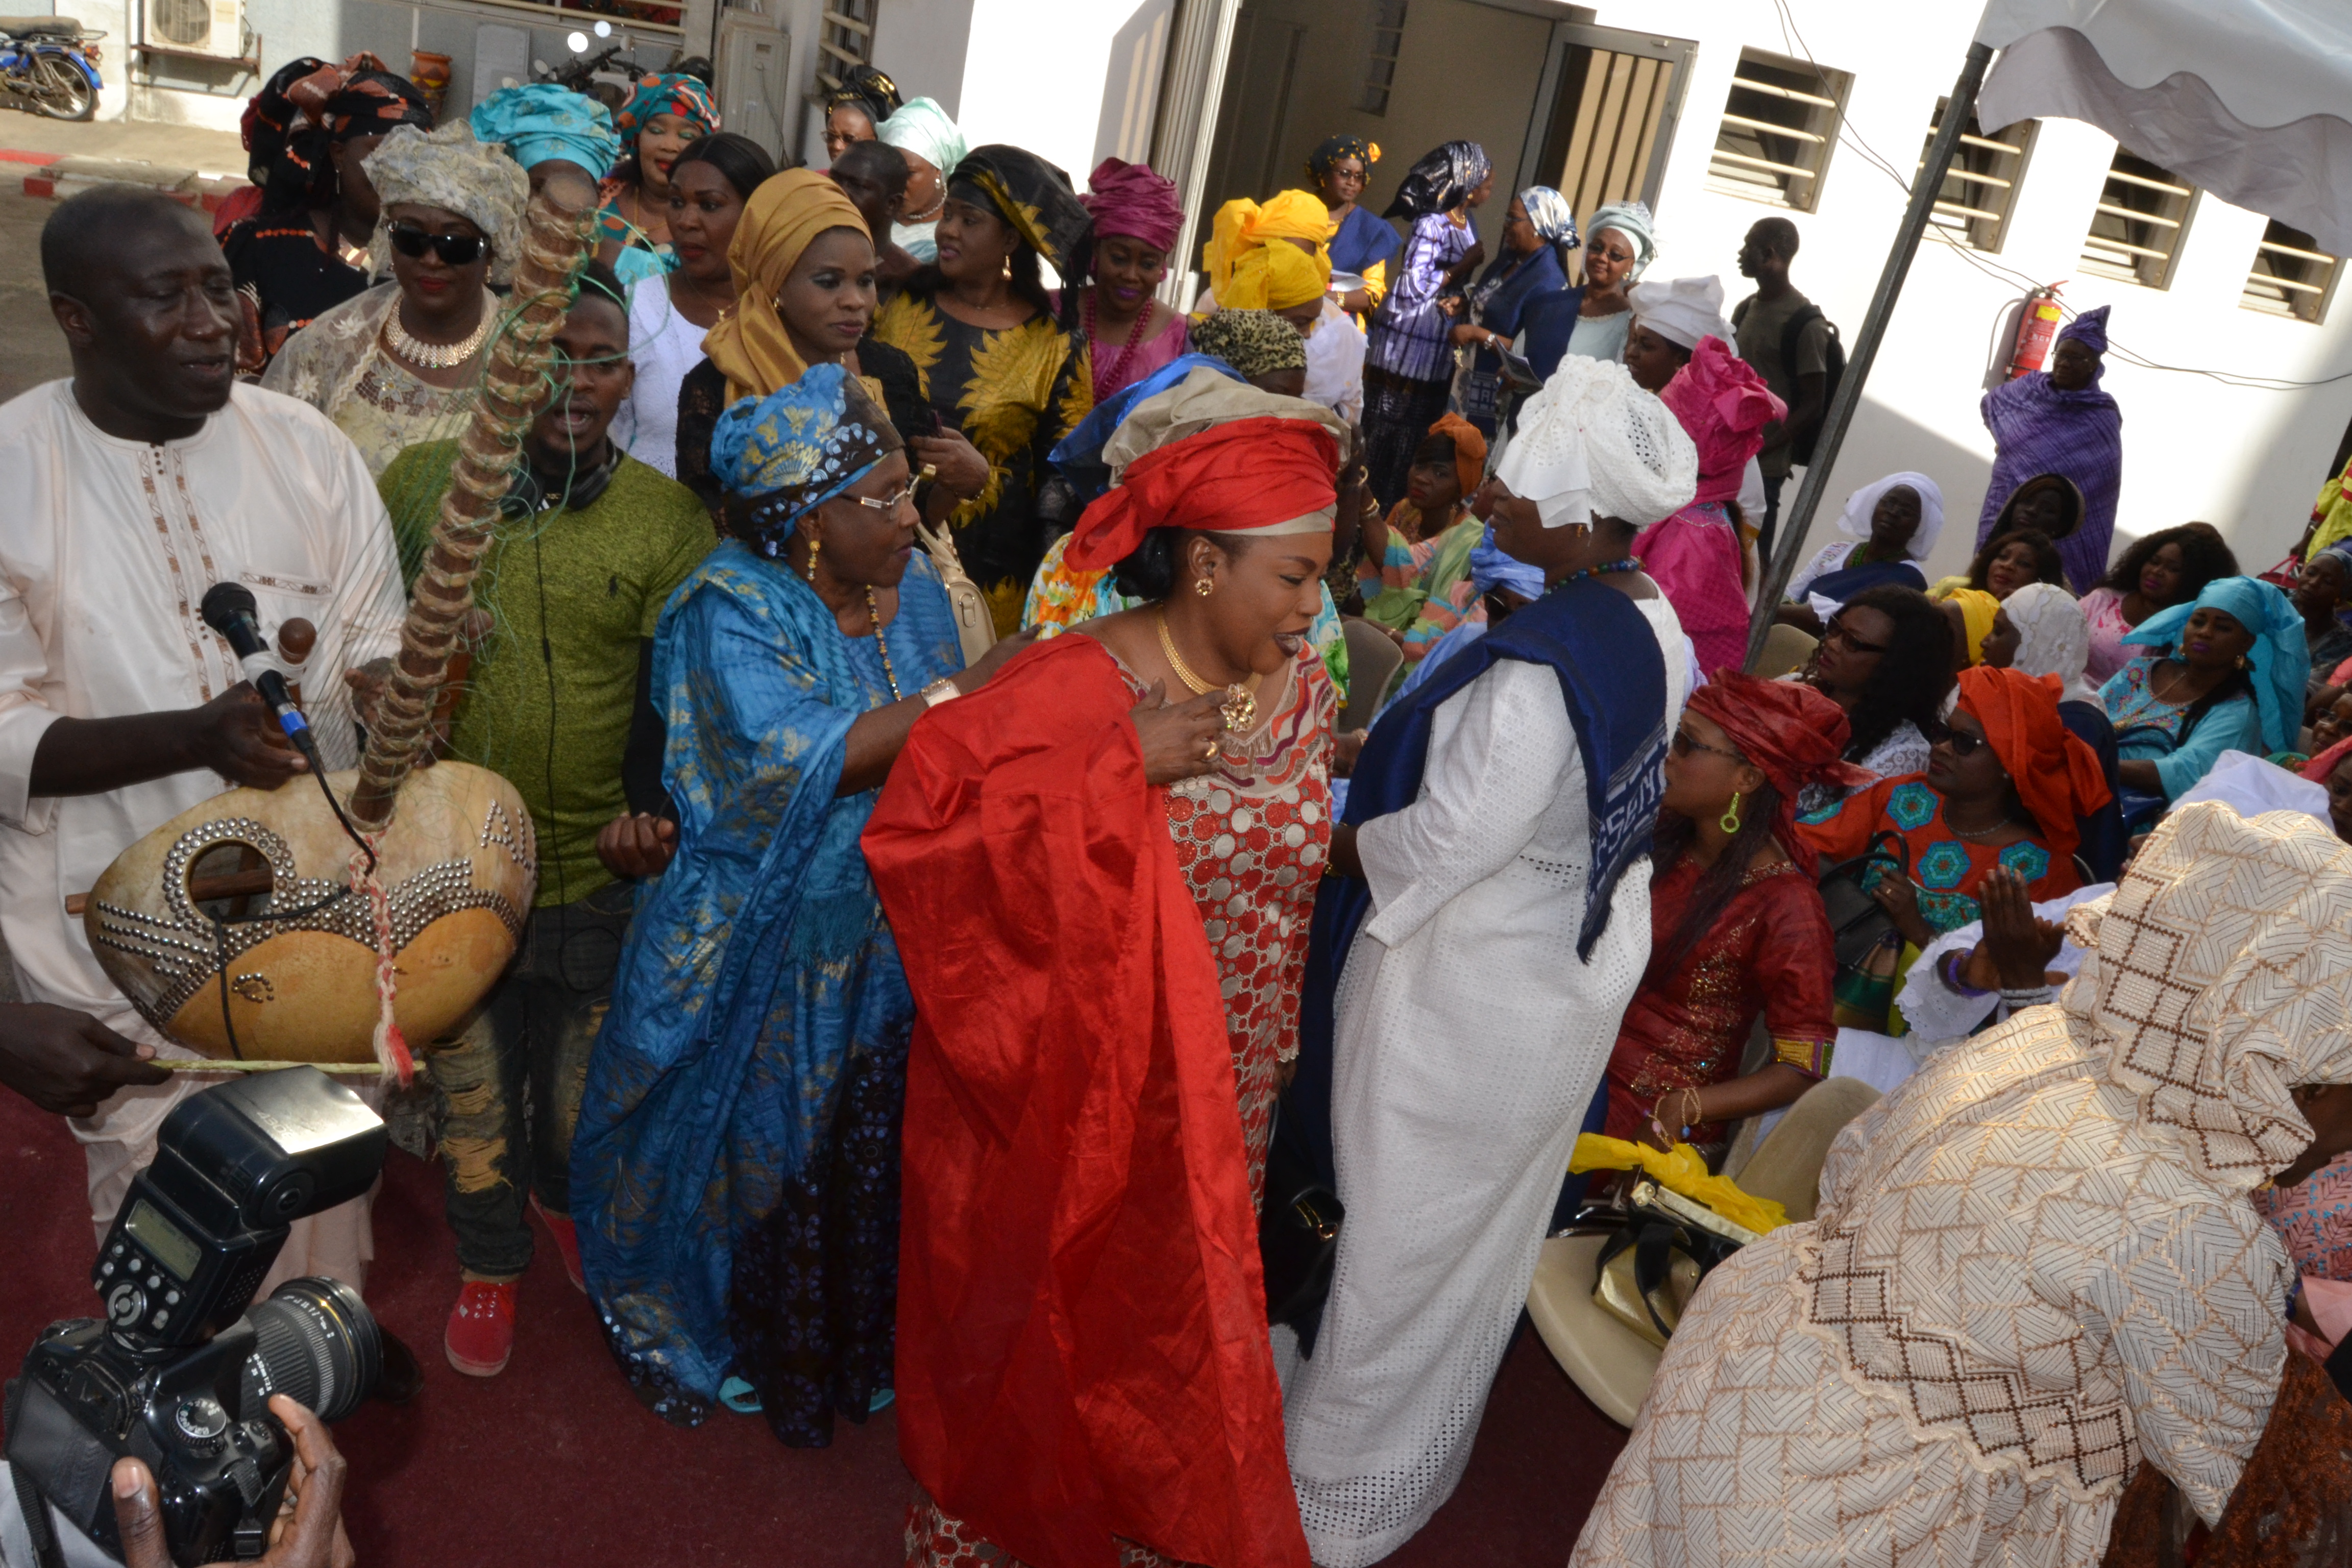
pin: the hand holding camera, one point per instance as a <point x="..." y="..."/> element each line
<point x="308" y="1532"/>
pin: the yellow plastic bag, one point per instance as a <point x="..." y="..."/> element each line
<point x="1678" y="1169"/>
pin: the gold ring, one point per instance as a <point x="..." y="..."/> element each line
<point x="1211" y="755"/>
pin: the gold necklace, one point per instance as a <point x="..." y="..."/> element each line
<point x="436" y="356"/>
<point x="1240" y="707"/>
<point x="890" y="672"/>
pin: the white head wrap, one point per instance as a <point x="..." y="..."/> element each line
<point x="2052" y="637"/>
<point x="1630" y="220"/>
<point x="2251" y="785"/>
<point x="447" y="168"/>
<point x="2218" y="976"/>
<point x="1682" y="310"/>
<point x="1591" y="444"/>
<point x="1855" y="521"/>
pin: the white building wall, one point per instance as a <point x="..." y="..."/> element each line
<point x="2245" y="460"/>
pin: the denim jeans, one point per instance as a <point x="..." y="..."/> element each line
<point x="513" y="1077"/>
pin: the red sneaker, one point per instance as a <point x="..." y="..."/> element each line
<point x="480" y="1336"/>
<point x="567" y="1242"/>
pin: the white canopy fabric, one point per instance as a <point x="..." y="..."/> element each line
<point x="2247" y="99"/>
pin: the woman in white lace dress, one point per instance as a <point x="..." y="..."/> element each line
<point x="2035" y="1264"/>
<point x="1495" y="942"/>
<point x="398" y="364"/>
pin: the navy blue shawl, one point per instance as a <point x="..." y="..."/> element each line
<point x="1612" y="677"/>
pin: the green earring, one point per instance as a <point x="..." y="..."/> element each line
<point x="1729" y="821"/>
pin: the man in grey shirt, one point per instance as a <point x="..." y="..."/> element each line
<point x="1762" y="321"/>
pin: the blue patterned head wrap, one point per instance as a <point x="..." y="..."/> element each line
<point x="540" y="121"/>
<point x="1553" y="218"/>
<point x="2280" y="654"/>
<point x="796" y="450"/>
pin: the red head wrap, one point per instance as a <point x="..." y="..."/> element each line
<point x="1133" y="200"/>
<point x="1230" y="478"/>
<point x="1723" y="407"/>
<point x="1791" y="732"/>
<point x="2057" y="777"/>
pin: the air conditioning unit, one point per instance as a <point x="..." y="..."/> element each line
<point x="214" y="28"/>
<point x="754" y="75"/>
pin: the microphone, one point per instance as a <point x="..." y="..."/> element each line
<point x="229" y="608"/>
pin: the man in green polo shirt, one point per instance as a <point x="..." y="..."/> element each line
<point x="558" y="701"/>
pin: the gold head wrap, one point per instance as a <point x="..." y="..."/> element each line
<point x="1252" y="266"/>
<point x="749" y="344"/>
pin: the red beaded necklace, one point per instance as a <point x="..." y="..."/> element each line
<point x="1109" y="377"/>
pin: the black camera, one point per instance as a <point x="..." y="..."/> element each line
<point x="179" y="1373"/>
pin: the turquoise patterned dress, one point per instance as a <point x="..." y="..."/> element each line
<point x="736" y="1170"/>
<point x="1946" y="867"/>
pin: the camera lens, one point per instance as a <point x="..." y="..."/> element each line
<point x="318" y="1343"/>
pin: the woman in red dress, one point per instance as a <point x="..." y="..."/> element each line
<point x="1105" y="906"/>
<point x="1737" y="925"/>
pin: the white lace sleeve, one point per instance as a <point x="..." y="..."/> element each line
<point x="2194" y="1306"/>
<point x="1487" y="783"/>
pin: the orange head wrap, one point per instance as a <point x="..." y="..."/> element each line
<point x="1263" y="474"/>
<point x="1469" y="451"/>
<point x="2056" y="775"/>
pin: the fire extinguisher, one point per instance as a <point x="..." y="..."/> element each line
<point x="2037" y="328"/>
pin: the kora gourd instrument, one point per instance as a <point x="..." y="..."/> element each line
<point x="252" y="925"/>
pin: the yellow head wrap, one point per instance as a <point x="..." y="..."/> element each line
<point x="1251" y="264"/>
<point x="1977" y="609"/>
<point x="750" y="345"/>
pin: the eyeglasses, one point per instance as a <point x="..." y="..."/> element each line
<point x="890" y="504"/>
<point x="1685" y="745"/>
<point x="454" y="249"/>
<point x="1963" y="744"/>
<point x="1853" y="643"/>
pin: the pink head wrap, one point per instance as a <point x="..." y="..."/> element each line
<point x="1130" y="199"/>
<point x="1722" y="405"/>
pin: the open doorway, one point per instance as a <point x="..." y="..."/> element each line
<point x="1553" y="98"/>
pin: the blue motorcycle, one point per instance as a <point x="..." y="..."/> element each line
<point x="48" y="65"/>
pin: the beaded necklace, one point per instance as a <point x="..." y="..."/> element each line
<point x="1629" y="565"/>
<point x="1109" y="377"/>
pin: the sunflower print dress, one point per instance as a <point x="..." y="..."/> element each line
<point x="1013" y="393"/>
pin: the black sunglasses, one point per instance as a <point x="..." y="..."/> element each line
<point x="454" y="249"/>
<point x="1962" y="743"/>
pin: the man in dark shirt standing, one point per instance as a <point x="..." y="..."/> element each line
<point x="1762" y="321"/>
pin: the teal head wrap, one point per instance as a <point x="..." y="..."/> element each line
<point x="2281" y="655"/>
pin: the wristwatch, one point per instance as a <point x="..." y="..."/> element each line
<point x="940" y="691"/>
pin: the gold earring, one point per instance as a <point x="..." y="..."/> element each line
<point x="1202" y="586"/>
<point x="2245" y="663"/>
<point x="815" y="544"/>
<point x="1729" y="821"/>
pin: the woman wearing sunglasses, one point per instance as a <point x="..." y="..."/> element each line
<point x="1737" y="926"/>
<point x="1887" y="660"/>
<point x="2007" y="784"/>
<point x="398" y="364"/>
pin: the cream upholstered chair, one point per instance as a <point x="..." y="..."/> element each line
<point x="1372" y="659"/>
<point x="1611" y="1363"/>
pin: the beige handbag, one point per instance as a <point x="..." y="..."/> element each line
<point x="975" y="627"/>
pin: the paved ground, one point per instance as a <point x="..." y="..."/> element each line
<point x="208" y="151"/>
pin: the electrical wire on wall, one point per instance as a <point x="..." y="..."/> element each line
<point x="1795" y="41"/>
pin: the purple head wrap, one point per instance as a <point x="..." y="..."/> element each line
<point x="2089" y="329"/>
<point x="1132" y="199"/>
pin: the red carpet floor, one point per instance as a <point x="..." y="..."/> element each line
<point x="555" y="1462"/>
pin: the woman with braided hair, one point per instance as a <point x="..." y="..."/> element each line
<point x="1886" y="659"/>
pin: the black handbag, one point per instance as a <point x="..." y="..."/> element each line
<point x="1864" y="943"/>
<point x="1297" y="1238"/>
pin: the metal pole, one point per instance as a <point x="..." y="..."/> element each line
<point x="1839" y="414"/>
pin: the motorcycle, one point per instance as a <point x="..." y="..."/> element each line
<point x="48" y="65"/>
